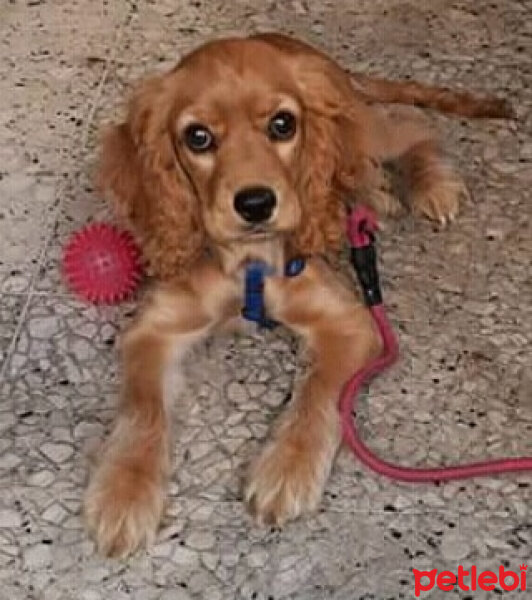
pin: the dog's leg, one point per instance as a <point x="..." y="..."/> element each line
<point x="288" y="477"/>
<point x="433" y="187"/>
<point x="125" y="497"/>
<point x="375" y="190"/>
<point x="404" y="135"/>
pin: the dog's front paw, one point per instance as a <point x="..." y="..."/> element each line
<point x="123" y="508"/>
<point x="285" y="481"/>
<point x="440" y="199"/>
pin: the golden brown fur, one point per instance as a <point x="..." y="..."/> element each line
<point x="182" y="205"/>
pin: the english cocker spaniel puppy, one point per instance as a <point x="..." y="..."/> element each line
<point x="247" y="151"/>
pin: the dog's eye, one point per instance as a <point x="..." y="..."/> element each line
<point x="198" y="138"/>
<point x="282" y="126"/>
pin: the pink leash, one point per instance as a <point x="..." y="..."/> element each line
<point x="361" y="227"/>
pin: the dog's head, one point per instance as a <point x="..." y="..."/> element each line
<point x="243" y="140"/>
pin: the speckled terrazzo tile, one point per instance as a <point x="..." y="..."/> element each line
<point x="460" y="299"/>
<point x="26" y="203"/>
<point x="53" y="64"/>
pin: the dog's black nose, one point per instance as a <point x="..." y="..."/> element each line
<point x="255" y="204"/>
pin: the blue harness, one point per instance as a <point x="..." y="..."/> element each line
<point x="256" y="271"/>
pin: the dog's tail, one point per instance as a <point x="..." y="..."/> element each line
<point x="466" y="104"/>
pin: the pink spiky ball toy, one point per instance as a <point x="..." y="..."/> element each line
<point x="102" y="264"/>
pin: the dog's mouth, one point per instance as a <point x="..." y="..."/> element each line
<point x="258" y="232"/>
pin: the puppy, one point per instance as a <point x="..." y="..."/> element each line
<point x="247" y="151"/>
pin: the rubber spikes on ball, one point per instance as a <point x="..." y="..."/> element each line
<point x="102" y="264"/>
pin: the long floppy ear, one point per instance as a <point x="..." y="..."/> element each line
<point x="149" y="187"/>
<point x="332" y="159"/>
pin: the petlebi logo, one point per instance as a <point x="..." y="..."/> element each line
<point x="470" y="580"/>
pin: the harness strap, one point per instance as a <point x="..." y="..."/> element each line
<point x="254" y="308"/>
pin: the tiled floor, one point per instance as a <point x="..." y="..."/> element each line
<point x="461" y="301"/>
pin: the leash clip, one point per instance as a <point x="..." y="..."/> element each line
<point x="361" y="226"/>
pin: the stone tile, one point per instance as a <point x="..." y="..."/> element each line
<point x="460" y="300"/>
<point x="65" y="342"/>
<point x="10" y="311"/>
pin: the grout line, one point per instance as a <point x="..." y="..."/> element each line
<point x="93" y="104"/>
<point x="92" y="107"/>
